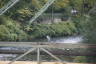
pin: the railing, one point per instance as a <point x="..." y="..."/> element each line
<point x="41" y="49"/>
<point x="47" y="45"/>
<point x="64" y="49"/>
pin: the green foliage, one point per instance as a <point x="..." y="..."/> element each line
<point x="10" y="30"/>
<point x="80" y="59"/>
<point x="57" y="29"/>
<point x="15" y="32"/>
<point x="4" y="33"/>
<point x="78" y="21"/>
<point x="91" y="59"/>
<point x="3" y="2"/>
<point x="25" y="9"/>
<point x="89" y="30"/>
<point x="3" y="20"/>
<point x="60" y="4"/>
<point x="85" y="59"/>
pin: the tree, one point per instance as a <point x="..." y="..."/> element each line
<point x="89" y="29"/>
<point x="89" y="32"/>
<point x="4" y="33"/>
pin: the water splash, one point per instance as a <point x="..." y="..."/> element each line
<point x="73" y="40"/>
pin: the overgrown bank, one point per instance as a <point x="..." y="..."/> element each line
<point x="14" y="31"/>
<point x="57" y="29"/>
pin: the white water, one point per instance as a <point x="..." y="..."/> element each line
<point x="75" y="39"/>
<point x="6" y="56"/>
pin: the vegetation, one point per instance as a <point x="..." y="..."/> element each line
<point x="13" y="31"/>
<point x="85" y="59"/>
<point x="80" y="59"/>
<point x="89" y="29"/>
<point x="10" y="30"/>
<point x="89" y="33"/>
<point x="57" y="29"/>
<point x="15" y="20"/>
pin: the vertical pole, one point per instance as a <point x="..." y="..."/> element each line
<point x="52" y="19"/>
<point x="38" y="55"/>
<point x="82" y="8"/>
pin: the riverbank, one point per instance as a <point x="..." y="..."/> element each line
<point x="14" y="31"/>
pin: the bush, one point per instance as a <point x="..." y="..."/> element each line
<point x="89" y="29"/>
<point x="57" y="29"/>
<point x="89" y="33"/>
<point x="3" y="20"/>
<point x="4" y="33"/>
<point x="16" y="33"/>
<point x="11" y="30"/>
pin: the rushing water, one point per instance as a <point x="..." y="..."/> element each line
<point x="69" y="39"/>
<point x="72" y="39"/>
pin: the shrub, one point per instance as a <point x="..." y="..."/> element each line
<point x="57" y="29"/>
<point x="4" y="33"/>
<point x="11" y="30"/>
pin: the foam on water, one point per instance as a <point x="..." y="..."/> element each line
<point x="68" y="40"/>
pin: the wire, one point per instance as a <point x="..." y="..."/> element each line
<point x="8" y="6"/>
<point x="41" y="11"/>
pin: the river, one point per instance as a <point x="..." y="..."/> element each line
<point x="71" y="39"/>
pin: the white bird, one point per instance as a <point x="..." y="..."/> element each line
<point x="48" y="38"/>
